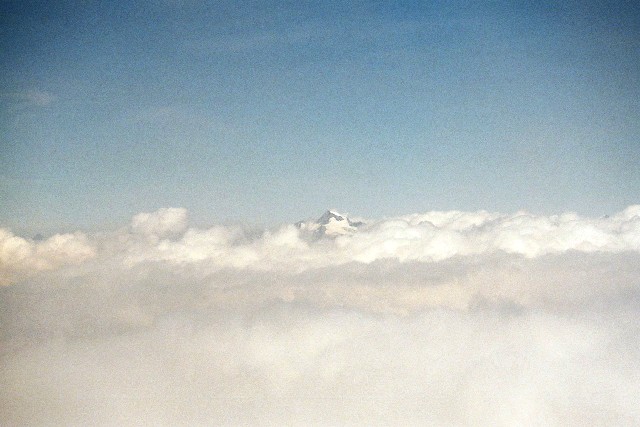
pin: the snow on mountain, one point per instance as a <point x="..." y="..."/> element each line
<point x="331" y="224"/>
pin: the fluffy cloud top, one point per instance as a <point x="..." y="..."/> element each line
<point x="21" y="258"/>
<point x="164" y="236"/>
<point x="162" y="223"/>
<point x="445" y="318"/>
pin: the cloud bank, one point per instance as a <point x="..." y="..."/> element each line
<point x="444" y="318"/>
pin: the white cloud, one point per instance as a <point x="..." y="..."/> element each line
<point x="38" y="97"/>
<point x="161" y="223"/>
<point x="164" y="236"/>
<point x="429" y="237"/>
<point x="439" y="318"/>
<point x="21" y="258"/>
<point x="31" y="97"/>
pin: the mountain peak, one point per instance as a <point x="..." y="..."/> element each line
<point x="331" y="224"/>
<point x="331" y="215"/>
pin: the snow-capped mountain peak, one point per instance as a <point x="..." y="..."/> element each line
<point x="330" y="215"/>
<point x="331" y="223"/>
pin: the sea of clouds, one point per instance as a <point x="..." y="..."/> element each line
<point x="441" y="318"/>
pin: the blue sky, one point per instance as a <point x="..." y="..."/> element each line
<point x="268" y="112"/>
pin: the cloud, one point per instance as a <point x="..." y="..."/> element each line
<point x="21" y="258"/>
<point x="464" y="318"/>
<point x="164" y="236"/>
<point x="164" y="222"/>
<point x="37" y="97"/>
<point x="429" y="237"/>
<point x="31" y="97"/>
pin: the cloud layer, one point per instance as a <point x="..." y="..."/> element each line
<point x="463" y="318"/>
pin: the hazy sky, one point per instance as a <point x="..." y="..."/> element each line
<point x="272" y="112"/>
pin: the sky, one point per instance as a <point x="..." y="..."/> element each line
<point x="271" y="112"/>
